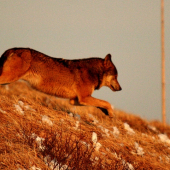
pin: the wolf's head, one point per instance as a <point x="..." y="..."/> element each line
<point x="110" y="74"/>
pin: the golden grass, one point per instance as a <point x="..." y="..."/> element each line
<point x="67" y="140"/>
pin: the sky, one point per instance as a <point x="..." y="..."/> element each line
<point x="129" y="30"/>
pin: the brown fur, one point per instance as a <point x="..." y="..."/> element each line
<point x="72" y="79"/>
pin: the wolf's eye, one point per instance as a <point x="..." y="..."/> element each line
<point x="115" y="77"/>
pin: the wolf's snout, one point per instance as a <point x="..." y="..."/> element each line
<point x="120" y="88"/>
<point x="115" y="86"/>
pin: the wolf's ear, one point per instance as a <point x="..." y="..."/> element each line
<point x="107" y="60"/>
<point x="108" y="57"/>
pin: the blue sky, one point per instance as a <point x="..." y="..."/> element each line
<point x="129" y="30"/>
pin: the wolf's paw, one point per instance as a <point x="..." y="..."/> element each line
<point x="112" y="116"/>
<point x="105" y="111"/>
<point x="111" y="113"/>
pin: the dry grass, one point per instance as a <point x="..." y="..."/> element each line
<point x="47" y="133"/>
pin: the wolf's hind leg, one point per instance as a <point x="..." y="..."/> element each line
<point x="75" y="102"/>
<point x="13" y="68"/>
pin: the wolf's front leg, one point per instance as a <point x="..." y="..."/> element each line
<point x="91" y="101"/>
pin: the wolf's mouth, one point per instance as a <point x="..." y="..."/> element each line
<point x="112" y="88"/>
<point x="117" y="88"/>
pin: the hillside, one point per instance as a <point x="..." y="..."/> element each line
<point x="41" y="132"/>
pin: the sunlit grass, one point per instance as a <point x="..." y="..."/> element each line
<point x="45" y="132"/>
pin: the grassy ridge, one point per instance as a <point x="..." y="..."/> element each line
<point x="38" y="131"/>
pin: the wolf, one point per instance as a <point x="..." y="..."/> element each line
<point x="72" y="79"/>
